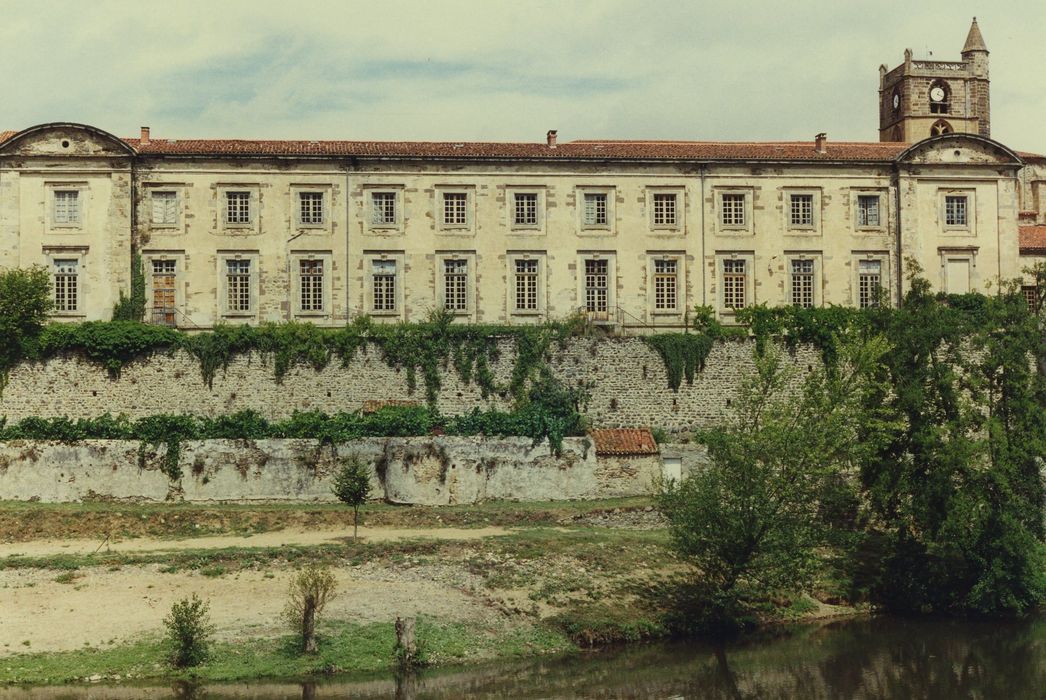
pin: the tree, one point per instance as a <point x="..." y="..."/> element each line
<point x="749" y="523"/>
<point x="352" y="487"/>
<point x="189" y="631"/>
<point x="310" y="591"/>
<point x="25" y="301"/>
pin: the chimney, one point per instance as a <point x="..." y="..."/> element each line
<point x="821" y="143"/>
<point x="550" y="138"/>
<point x="144" y="141"/>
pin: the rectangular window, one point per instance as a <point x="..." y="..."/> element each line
<point x="238" y="208"/>
<point x="164" y="277"/>
<point x="66" y="207"/>
<point x="735" y="283"/>
<point x="597" y="278"/>
<point x="955" y="210"/>
<point x="383" y="283"/>
<point x="383" y="208"/>
<point x="456" y="285"/>
<point x="803" y="283"/>
<point x="526" y="285"/>
<point x="310" y="285"/>
<point x="869" y="283"/>
<point x="733" y="210"/>
<point x="595" y="209"/>
<point x="66" y="286"/>
<point x="666" y="284"/>
<point x="801" y="211"/>
<point x="665" y="209"/>
<point x="164" y="208"/>
<point x="1031" y="297"/>
<point x="868" y="210"/>
<point x="455" y="209"/>
<point x="238" y="286"/>
<point x="525" y="209"/>
<point x="310" y="208"/>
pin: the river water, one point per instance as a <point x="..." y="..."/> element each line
<point x="874" y="658"/>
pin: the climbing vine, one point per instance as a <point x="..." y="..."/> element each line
<point x="132" y="308"/>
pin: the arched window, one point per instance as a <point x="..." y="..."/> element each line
<point x="940" y="127"/>
<point x="940" y="97"/>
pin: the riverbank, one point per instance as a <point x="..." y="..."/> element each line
<point x="86" y="586"/>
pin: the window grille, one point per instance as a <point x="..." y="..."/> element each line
<point x="164" y="277"/>
<point x="1031" y="297"/>
<point x="455" y="285"/>
<point x="868" y="211"/>
<point x="596" y="285"/>
<point x="665" y="285"/>
<point x="595" y="211"/>
<point x="455" y="209"/>
<point x="803" y="283"/>
<point x="735" y="282"/>
<point x="67" y="207"/>
<point x="733" y="210"/>
<point x="526" y="285"/>
<point x="383" y="208"/>
<point x="664" y="209"/>
<point x="526" y="209"/>
<point x="955" y="210"/>
<point x="869" y="283"/>
<point x="66" y="285"/>
<point x="237" y="207"/>
<point x="310" y="280"/>
<point x="802" y="210"/>
<point x="238" y="285"/>
<point x="384" y="285"/>
<point x="310" y="208"/>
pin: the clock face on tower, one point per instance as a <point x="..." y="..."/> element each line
<point x="937" y="93"/>
<point x="896" y="100"/>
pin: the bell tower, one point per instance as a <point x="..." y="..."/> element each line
<point x="923" y="98"/>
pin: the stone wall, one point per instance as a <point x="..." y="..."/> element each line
<point x="427" y="470"/>
<point x="626" y="379"/>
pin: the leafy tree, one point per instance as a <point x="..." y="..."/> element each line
<point x="310" y="591"/>
<point x="750" y="522"/>
<point x="188" y="632"/>
<point x="25" y="301"/>
<point x="352" y="487"/>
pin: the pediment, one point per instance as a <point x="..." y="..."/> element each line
<point x="75" y="140"/>
<point x="962" y="149"/>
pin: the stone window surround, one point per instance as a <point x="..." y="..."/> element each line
<point x="53" y="187"/>
<point x="469" y="256"/>
<point x="748" y="193"/>
<point x="542" y="276"/>
<point x="955" y="253"/>
<point x="178" y="256"/>
<point x="470" y="203"/>
<point x="326" y="191"/>
<point x="814" y="255"/>
<point x="814" y="228"/>
<point x="680" y="194"/>
<point x="611" y="257"/>
<point x="680" y="259"/>
<point x="880" y="256"/>
<point x="147" y="202"/>
<point x="510" y="206"/>
<point x="396" y="226"/>
<point x="79" y="254"/>
<point x="725" y="313"/>
<point x="967" y="229"/>
<point x="223" y="289"/>
<point x="255" y="207"/>
<point x="369" y="256"/>
<point x="856" y="195"/>
<point x="327" y="258"/>
<point x="608" y="191"/>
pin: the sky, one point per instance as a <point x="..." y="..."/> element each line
<point x="457" y="70"/>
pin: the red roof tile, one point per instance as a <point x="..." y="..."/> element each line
<point x="624" y="441"/>
<point x="1033" y="240"/>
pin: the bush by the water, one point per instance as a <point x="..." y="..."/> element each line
<point x="188" y="632"/>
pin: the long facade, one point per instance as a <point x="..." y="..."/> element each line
<point x="629" y="233"/>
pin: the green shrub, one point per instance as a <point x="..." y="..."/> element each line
<point x="310" y="591"/>
<point x="352" y="487"/>
<point x="188" y="632"/>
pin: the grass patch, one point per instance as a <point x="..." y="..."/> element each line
<point x="597" y="624"/>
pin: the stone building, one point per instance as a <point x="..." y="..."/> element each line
<point x="632" y="233"/>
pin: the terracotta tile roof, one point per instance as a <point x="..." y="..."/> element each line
<point x="1037" y="157"/>
<point x="1033" y="240"/>
<point x="4" y="135"/>
<point x="624" y="441"/>
<point x="590" y="150"/>
<point x="375" y="405"/>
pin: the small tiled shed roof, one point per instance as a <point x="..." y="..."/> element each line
<point x="374" y="405"/>
<point x="1033" y="240"/>
<point x="624" y="441"/>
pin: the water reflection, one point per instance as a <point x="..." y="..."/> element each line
<point x="872" y="659"/>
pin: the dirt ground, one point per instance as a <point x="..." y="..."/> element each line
<point x="99" y="606"/>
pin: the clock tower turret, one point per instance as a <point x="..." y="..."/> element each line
<point x="922" y="98"/>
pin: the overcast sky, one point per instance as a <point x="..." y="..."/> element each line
<point x="500" y="71"/>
